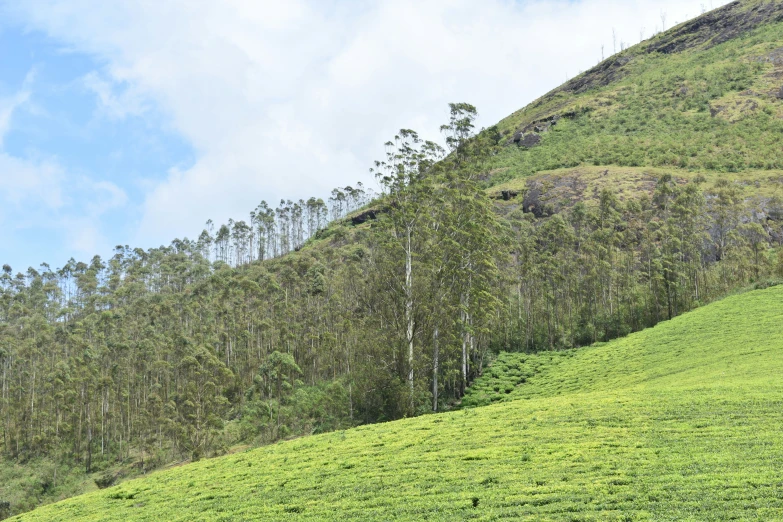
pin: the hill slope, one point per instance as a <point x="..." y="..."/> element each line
<point x="106" y="365"/>
<point x="705" y="96"/>
<point x="679" y="422"/>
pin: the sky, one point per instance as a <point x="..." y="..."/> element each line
<point x="134" y="122"/>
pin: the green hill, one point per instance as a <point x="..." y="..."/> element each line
<point x="704" y="97"/>
<point x="648" y="186"/>
<point x="678" y="422"/>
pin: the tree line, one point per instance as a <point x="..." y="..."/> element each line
<point x="273" y="232"/>
<point x="183" y="350"/>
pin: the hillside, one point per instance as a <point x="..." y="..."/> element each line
<point x="705" y="96"/>
<point x="646" y="187"/>
<point x="678" y="422"/>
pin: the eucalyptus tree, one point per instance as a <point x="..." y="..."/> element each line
<point x="405" y="177"/>
<point x="158" y="355"/>
<point x="474" y="225"/>
<point x="337" y="201"/>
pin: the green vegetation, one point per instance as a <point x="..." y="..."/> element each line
<point x="691" y="352"/>
<point x="642" y="189"/>
<point x="682" y="421"/>
<point x="23" y="484"/>
<point x="563" y="188"/>
<point x="705" y="107"/>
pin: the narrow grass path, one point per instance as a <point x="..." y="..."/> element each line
<point x="683" y="421"/>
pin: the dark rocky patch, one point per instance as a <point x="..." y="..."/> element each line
<point x="543" y="123"/>
<point x="530" y="140"/>
<point x="548" y="195"/>
<point x="365" y="216"/>
<point x="606" y="72"/>
<point x="775" y="57"/>
<point x="529" y="135"/>
<point x="525" y="140"/>
<point x="716" y="27"/>
<point x="532" y="201"/>
<point x="709" y="29"/>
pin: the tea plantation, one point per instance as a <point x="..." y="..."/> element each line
<point x="683" y="421"/>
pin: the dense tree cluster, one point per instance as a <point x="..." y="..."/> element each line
<point x="174" y="353"/>
<point x="276" y="232"/>
<point x="596" y="272"/>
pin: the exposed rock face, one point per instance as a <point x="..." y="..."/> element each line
<point x="709" y="30"/>
<point x="774" y="211"/>
<point x="775" y="57"/>
<point x="548" y="195"/>
<point x="365" y="216"/>
<point x="606" y="72"/>
<point x="716" y="27"/>
<point x="530" y="140"/>
<point x="526" y="140"/>
<point x="532" y="201"/>
<point x="530" y="135"/>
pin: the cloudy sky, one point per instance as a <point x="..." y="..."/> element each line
<point x="134" y="122"/>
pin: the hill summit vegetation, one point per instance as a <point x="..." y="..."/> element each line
<point x="637" y="191"/>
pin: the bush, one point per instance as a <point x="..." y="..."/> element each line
<point x="5" y="509"/>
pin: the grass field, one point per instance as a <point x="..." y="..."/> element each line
<point x="683" y="421"/>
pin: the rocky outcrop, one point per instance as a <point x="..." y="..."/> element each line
<point x="364" y="216"/>
<point x="508" y="195"/>
<point x="716" y="27"/>
<point x="526" y="140"/>
<point x="708" y="30"/>
<point x="606" y="72"/>
<point x="529" y="135"/>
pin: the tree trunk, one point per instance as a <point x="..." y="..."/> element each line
<point x="464" y="356"/>
<point x="409" y="309"/>
<point x="435" y="364"/>
<point x="88" y="465"/>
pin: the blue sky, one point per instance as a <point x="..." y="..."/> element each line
<point x="104" y="161"/>
<point x="132" y="123"/>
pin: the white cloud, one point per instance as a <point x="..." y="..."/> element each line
<point x="105" y="196"/>
<point x="25" y="182"/>
<point x="29" y="183"/>
<point x="288" y="99"/>
<point x="113" y="102"/>
<point x="81" y="223"/>
<point x="9" y="105"/>
<point x="37" y="193"/>
<point x="6" y="109"/>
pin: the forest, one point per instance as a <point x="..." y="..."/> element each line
<point x="315" y="317"/>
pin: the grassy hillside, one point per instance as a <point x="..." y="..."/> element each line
<point x="692" y="118"/>
<point x="706" y="95"/>
<point x="679" y="422"/>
